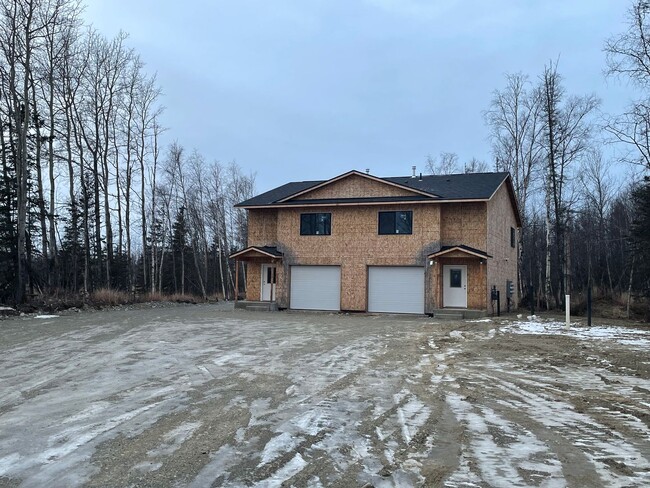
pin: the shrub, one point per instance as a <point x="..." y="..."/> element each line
<point x="108" y="297"/>
<point x="173" y="297"/>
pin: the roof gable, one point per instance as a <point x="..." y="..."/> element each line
<point x="354" y="184"/>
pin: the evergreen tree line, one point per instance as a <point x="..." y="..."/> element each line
<point x="87" y="198"/>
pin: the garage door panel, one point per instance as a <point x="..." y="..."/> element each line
<point x="394" y="289"/>
<point x="315" y="288"/>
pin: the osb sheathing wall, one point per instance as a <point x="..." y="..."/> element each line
<point x="262" y="231"/>
<point x="262" y="227"/>
<point x="464" y="223"/>
<point x="353" y="187"/>
<point x="354" y="245"/>
<point x="503" y="264"/>
<point x="253" y="280"/>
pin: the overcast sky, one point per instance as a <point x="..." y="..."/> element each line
<point x="309" y="89"/>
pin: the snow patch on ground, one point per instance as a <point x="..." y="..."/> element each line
<point x="220" y="462"/>
<point x="412" y="415"/>
<point x="173" y="439"/>
<point x="624" y="335"/>
<point x="597" y="442"/>
<point x="503" y="450"/>
<point x="278" y="445"/>
<point x="46" y="316"/>
<point x="289" y="470"/>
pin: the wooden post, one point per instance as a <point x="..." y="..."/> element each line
<point x="273" y="271"/>
<point x="236" y="280"/>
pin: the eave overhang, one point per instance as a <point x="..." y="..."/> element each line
<point x="470" y="251"/>
<point x="347" y="202"/>
<point x="253" y="252"/>
<point x="513" y="197"/>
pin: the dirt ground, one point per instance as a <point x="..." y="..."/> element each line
<point x="206" y="396"/>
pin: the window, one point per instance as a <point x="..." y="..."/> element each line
<point x="400" y="222"/>
<point x="513" y="237"/>
<point x="271" y="275"/>
<point x="455" y="278"/>
<point x="316" y="224"/>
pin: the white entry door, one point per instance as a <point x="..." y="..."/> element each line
<point x="454" y="286"/>
<point x="269" y="274"/>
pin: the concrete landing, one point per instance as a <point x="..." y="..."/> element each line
<point x="256" y="306"/>
<point x="458" y="313"/>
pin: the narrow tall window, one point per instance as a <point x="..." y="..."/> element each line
<point x="315" y="224"/>
<point x="513" y="237"/>
<point x="455" y="278"/>
<point x="400" y="222"/>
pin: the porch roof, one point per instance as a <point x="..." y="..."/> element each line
<point x="252" y="252"/>
<point x="460" y="248"/>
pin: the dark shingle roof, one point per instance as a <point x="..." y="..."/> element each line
<point x="463" y="247"/>
<point x="272" y="250"/>
<point x="278" y="193"/>
<point x="472" y="186"/>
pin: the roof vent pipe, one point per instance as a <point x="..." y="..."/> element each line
<point x="413" y="171"/>
<point x="420" y="176"/>
<point x="367" y="171"/>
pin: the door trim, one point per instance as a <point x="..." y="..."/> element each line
<point x="445" y="280"/>
<point x="263" y="275"/>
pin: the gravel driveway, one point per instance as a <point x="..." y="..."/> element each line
<point x="206" y="396"/>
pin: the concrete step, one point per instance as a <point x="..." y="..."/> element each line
<point x="458" y="313"/>
<point x="256" y="306"/>
<point x="449" y="315"/>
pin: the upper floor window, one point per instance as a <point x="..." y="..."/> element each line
<point x="513" y="237"/>
<point x="315" y="224"/>
<point x="400" y="222"/>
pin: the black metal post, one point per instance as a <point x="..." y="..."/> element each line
<point x="498" y="303"/>
<point x="589" y="306"/>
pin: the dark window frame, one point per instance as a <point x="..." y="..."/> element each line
<point x="513" y="237"/>
<point x="391" y="224"/>
<point x="310" y="225"/>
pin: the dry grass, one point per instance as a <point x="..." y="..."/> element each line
<point x="174" y="297"/>
<point x="611" y="307"/>
<point x="107" y="297"/>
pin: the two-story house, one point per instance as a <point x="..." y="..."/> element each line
<point x="362" y="243"/>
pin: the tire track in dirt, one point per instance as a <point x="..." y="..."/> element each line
<point x="600" y="442"/>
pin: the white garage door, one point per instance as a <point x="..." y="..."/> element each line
<point x="315" y="287"/>
<point x="395" y="289"/>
